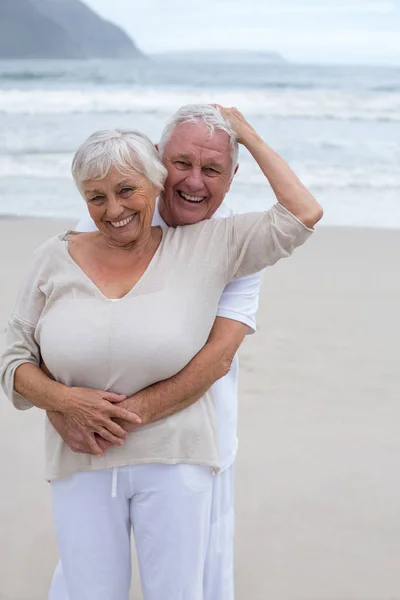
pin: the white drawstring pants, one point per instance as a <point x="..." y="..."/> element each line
<point x="218" y="569"/>
<point x="169" y="510"/>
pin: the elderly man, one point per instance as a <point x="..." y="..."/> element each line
<point x="201" y="163"/>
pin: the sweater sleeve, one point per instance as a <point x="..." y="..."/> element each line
<point x="259" y="240"/>
<point x="21" y="344"/>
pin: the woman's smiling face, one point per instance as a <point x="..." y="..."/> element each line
<point x="121" y="205"/>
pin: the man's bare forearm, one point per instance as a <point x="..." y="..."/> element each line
<point x="288" y="188"/>
<point x="186" y="387"/>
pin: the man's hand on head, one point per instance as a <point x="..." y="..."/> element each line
<point x="236" y="120"/>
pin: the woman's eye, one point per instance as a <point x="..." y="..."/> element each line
<point x="97" y="199"/>
<point x="126" y="190"/>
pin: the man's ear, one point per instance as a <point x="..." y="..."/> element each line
<point x="156" y="145"/>
<point x="230" y="182"/>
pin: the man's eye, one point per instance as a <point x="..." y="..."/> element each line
<point x="211" y="170"/>
<point x="97" y="199"/>
<point x="182" y="163"/>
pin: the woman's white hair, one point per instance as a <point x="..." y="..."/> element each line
<point x="207" y="115"/>
<point x="122" y="149"/>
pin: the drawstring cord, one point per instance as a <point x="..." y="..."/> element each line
<point x="114" y="482"/>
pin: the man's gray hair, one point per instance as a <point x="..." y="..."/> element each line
<point x="122" y="149"/>
<point x="207" y="115"/>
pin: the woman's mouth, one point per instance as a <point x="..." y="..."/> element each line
<point x="123" y="222"/>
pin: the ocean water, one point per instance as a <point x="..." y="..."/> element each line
<point x="338" y="127"/>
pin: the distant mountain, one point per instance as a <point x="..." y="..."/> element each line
<point x="25" y="33"/>
<point x="224" y="57"/>
<point x="66" y="29"/>
<point x="95" y="37"/>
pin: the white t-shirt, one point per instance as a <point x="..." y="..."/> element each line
<point x="238" y="302"/>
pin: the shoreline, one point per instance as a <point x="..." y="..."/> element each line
<point x="72" y="220"/>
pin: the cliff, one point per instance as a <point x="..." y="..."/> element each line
<point x="25" y="33"/>
<point x="65" y="29"/>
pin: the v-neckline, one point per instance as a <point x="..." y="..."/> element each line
<point x="138" y="284"/>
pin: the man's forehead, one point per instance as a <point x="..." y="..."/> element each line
<point x="188" y="137"/>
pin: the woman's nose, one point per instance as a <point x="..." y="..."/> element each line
<point x="114" y="207"/>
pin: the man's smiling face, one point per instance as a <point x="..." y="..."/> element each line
<point x="199" y="174"/>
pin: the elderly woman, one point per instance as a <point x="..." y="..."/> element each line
<point x="110" y="313"/>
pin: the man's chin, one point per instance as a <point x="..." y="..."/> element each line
<point x="189" y="213"/>
<point x="191" y="216"/>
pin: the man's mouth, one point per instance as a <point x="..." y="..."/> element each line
<point x="124" y="222"/>
<point x="188" y="198"/>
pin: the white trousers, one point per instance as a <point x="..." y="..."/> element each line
<point x="182" y="519"/>
<point x="219" y="567"/>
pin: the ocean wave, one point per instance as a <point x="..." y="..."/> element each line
<point x="161" y="72"/>
<point x="386" y="88"/>
<point x="373" y="177"/>
<point x="317" y="104"/>
<point x="30" y="76"/>
<point x="99" y="79"/>
<point x="36" y="165"/>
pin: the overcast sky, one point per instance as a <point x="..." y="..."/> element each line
<point x="353" y="31"/>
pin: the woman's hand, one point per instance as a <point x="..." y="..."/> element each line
<point x="81" y="441"/>
<point x="94" y="411"/>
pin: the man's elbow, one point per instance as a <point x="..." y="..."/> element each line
<point x="225" y="365"/>
<point x="312" y="215"/>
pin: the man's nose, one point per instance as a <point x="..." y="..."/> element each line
<point x="195" y="179"/>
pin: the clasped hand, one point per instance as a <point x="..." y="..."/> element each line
<point x="94" y="420"/>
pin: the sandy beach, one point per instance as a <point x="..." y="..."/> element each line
<point x="317" y="478"/>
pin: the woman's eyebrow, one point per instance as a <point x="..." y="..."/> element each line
<point x="94" y="191"/>
<point x="126" y="183"/>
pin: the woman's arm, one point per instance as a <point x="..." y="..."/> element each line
<point x="88" y="411"/>
<point x="22" y="379"/>
<point x="288" y="189"/>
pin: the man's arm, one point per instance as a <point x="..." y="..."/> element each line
<point x="171" y="395"/>
<point x="214" y="360"/>
<point x="235" y="318"/>
<point x="287" y="187"/>
<point x="86" y="224"/>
